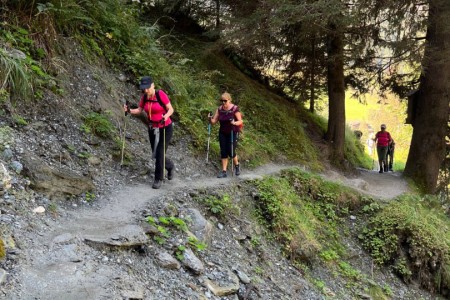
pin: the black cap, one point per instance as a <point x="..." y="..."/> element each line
<point x="146" y="82"/>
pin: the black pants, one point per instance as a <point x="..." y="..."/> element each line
<point x="382" y="157"/>
<point x="225" y="144"/>
<point x="159" y="156"/>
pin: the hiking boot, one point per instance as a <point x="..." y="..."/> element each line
<point x="222" y="174"/>
<point x="170" y="174"/>
<point x="156" y="184"/>
<point x="238" y="170"/>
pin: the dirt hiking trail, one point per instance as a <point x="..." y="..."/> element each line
<point x="55" y="271"/>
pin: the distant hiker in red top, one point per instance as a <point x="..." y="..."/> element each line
<point x="383" y="140"/>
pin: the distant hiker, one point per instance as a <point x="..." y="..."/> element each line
<point x="158" y="108"/>
<point x="390" y="155"/>
<point x="229" y="117"/>
<point x="383" y="139"/>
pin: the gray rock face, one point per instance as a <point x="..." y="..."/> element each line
<point x="52" y="182"/>
<point x="200" y="227"/>
<point x="192" y="262"/>
<point x="168" y="261"/>
<point x="224" y="285"/>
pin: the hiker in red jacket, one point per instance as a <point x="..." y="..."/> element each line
<point x="383" y="139"/>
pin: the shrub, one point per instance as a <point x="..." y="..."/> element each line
<point x="98" y="125"/>
<point x="410" y="229"/>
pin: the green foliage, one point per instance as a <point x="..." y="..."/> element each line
<point x="354" y="151"/>
<point x="15" y="76"/>
<point x="218" y="206"/>
<point x="179" y="253"/>
<point x="329" y="255"/>
<point x="4" y="95"/>
<point x="418" y="233"/>
<point x="305" y="212"/>
<point x="165" y="225"/>
<point x="371" y="207"/>
<point x="292" y="223"/>
<point x="195" y="244"/>
<point x="98" y="124"/>
<point x="348" y="271"/>
<point x="19" y="120"/>
<point x="319" y="284"/>
<point x="89" y="197"/>
<point x="401" y="268"/>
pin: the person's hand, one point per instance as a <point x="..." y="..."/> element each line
<point x="126" y="108"/>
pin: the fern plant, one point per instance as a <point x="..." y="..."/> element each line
<point x="14" y="75"/>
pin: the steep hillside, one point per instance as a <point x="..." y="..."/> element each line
<point x="79" y="219"/>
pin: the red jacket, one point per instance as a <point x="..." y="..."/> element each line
<point x="383" y="138"/>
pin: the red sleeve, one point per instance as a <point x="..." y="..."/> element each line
<point x="141" y="102"/>
<point x="164" y="98"/>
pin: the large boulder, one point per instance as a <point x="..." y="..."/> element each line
<point x="55" y="183"/>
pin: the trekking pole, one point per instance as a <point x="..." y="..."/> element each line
<point x="164" y="153"/>
<point x="209" y="135"/>
<point x="232" y="144"/>
<point x="127" y="103"/>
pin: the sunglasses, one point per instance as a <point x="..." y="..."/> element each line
<point x="223" y="101"/>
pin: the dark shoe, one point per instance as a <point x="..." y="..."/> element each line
<point x="222" y="174"/>
<point x="170" y="174"/>
<point x="381" y="171"/>
<point x="238" y="170"/>
<point x="156" y="184"/>
<point x="386" y="169"/>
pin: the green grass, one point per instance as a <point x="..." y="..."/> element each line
<point x="413" y="235"/>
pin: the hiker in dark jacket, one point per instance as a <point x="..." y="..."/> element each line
<point x="229" y="117"/>
<point x="390" y="155"/>
<point x="382" y="139"/>
<point x="156" y="105"/>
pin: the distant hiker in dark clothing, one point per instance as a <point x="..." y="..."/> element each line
<point x="158" y="108"/>
<point x="229" y="117"/>
<point x="390" y="155"/>
<point x="383" y="139"/>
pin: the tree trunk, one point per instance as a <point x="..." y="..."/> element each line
<point x="336" y="93"/>
<point x="427" y="151"/>
<point x="313" y="77"/>
<point x="218" y="15"/>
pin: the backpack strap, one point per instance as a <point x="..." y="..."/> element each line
<point x="158" y="97"/>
